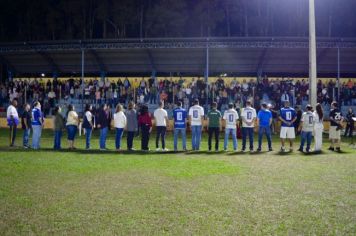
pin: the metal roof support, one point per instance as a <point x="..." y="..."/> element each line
<point x="47" y="57"/>
<point x="9" y="66"/>
<point x="261" y="62"/>
<point x="98" y="60"/>
<point x="152" y="61"/>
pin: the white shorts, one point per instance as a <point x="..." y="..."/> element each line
<point x="333" y="133"/>
<point x="287" y="132"/>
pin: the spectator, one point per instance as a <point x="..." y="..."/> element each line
<point x="349" y="123"/>
<point x="58" y="127"/>
<point x="131" y="117"/>
<point x="26" y="125"/>
<point x="161" y="120"/>
<point x="72" y="125"/>
<point x="103" y="124"/>
<point x="145" y="123"/>
<point x="88" y="124"/>
<point x="37" y="124"/>
<point x="120" y="124"/>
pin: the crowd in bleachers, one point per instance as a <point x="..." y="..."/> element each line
<point x="152" y="90"/>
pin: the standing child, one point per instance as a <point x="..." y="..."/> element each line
<point x="306" y="127"/>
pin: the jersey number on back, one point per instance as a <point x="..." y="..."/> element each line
<point x="231" y="118"/>
<point x="195" y="114"/>
<point x="179" y="116"/>
<point x="249" y="115"/>
<point x="289" y="115"/>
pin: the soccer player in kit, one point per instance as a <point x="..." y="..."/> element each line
<point x="248" y="117"/>
<point x="306" y="127"/>
<point x="214" y="125"/>
<point x="161" y="121"/>
<point x="264" y="120"/>
<point x="336" y="120"/>
<point x="180" y="117"/>
<point x="288" y="116"/>
<point x="230" y="117"/>
<point x="196" y="117"/>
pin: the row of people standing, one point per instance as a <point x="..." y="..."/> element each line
<point x="131" y="121"/>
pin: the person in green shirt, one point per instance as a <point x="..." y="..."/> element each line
<point x="214" y="125"/>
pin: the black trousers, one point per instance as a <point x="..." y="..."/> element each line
<point x="129" y="139"/>
<point x="145" y="137"/>
<point x="161" y="133"/>
<point x="12" y="135"/>
<point x="349" y="130"/>
<point x="215" y="131"/>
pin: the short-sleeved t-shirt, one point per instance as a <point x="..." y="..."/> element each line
<point x="336" y="115"/>
<point x="264" y="117"/>
<point x="231" y="116"/>
<point x="26" y="116"/>
<point x="308" y="121"/>
<point x="11" y="111"/>
<point x="179" y="116"/>
<point x="196" y="113"/>
<point x="248" y="114"/>
<point x="214" y="117"/>
<point x="160" y="115"/>
<point x="288" y="114"/>
<point x="36" y="116"/>
<point x="72" y="118"/>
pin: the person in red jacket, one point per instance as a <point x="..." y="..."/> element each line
<point x="145" y="122"/>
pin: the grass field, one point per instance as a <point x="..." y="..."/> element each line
<point x="106" y="193"/>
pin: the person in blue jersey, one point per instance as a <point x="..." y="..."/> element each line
<point x="264" y="121"/>
<point x="180" y="117"/>
<point x="37" y="124"/>
<point x="12" y="121"/>
<point x="287" y="116"/>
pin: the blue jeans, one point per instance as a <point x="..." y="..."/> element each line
<point x="102" y="139"/>
<point x="184" y="138"/>
<point x="57" y="139"/>
<point x="306" y="136"/>
<point x="234" y="139"/>
<point x="264" y="130"/>
<point x="26" y="137"/>
<point x="88" y="137"/>
<point x="36" y="136"/>
<point x="196" y="136"/>
<point x="72" y="130"/>
<point x="247" y="132"/>
<point x="119" y="133"/>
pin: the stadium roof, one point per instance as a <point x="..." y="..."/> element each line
<point x="235" y="56"/>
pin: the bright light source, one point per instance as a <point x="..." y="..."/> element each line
<point x="43" y="75"/>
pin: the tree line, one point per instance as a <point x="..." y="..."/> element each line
<point x="24" y="20"/>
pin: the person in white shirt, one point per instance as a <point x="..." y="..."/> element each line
<point x="120" y="124"/>
<point x="307" y="127"/>
<point x="318" y="127"/>
<point x="161" y="120"/>
<point x="230" y="117"/>
<point x="12" y="121"/>
<point x="248" y="117"/>
<point x="196" y="117"/>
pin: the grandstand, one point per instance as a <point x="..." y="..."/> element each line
<point x="234" y="60"/>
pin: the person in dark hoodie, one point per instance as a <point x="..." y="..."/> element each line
<point x="103" y="124"/>
<point x="58" y="122"/>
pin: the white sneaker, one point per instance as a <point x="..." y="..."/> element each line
<point x="283" y="149"/>
<point x="165" y="150"/>
<point x="158" y="149"/>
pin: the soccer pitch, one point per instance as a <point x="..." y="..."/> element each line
<point x="204" y="193"/>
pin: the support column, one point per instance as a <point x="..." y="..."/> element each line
<point x="207" y="74"/>
<point x="312" y="55"/>
<point x="82" y="77"/>
<point x="338" y="75"/>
